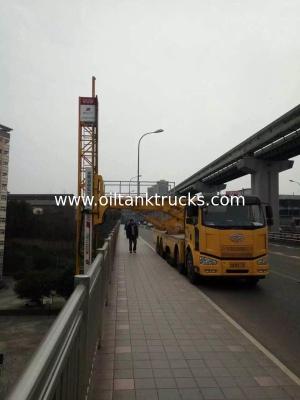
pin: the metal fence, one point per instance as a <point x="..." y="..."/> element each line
<point x="284" y="237"/>
<point x="62" y="366"/>
<point x="129" y="188"/>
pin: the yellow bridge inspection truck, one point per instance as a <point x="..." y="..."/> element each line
<point x="220" y="241"/>
<point x="208" y="240"/>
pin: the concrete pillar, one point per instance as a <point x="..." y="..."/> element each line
<point x="265" y="181"/>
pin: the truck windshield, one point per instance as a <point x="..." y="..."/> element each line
<point x="247" y="216"/>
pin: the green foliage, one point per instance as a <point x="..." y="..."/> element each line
<point x="65" y="284"/>
<point x="40" y="249"/>
<point x="34" y="285"/>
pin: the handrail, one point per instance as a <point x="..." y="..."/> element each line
<point x="285" y="236"/>
<point x="39" y="364"/>
<point x="62" y="365"/>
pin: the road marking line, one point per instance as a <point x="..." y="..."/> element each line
<point x="278" y="253"/>
<point x="149" y="245"/>
<point x="285" y="276"/>
<point x="248" y="335"/>
<point x="256" y="343"/>
<point x="283" y="245"/>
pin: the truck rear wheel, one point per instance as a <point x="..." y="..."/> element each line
<point x="178" y="265"/>
<point x="180" y="268"/>
<point x="161" y="248"/>
<point x="168" y="256"/>
<point x="175" y="259"/>
<point x="192" y="276"/>
<point x="157" y="245"/>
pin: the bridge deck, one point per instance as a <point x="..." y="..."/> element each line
<point x="164" y="340"/>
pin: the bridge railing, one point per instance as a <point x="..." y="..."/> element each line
<point x="285" y="237"/>
<point x="62" y="366"/>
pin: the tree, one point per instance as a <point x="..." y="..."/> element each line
<point x="19" y="220"/>
<point x="65" y="284"/>
<point x="34" y="286"/>
<point x="38" y="283"/>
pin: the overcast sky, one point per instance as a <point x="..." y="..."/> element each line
<point x="209" y="72"/>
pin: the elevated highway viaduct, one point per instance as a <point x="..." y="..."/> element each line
<point x="263" y="155"/>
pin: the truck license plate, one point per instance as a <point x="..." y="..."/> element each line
<point x="236" y="265"/>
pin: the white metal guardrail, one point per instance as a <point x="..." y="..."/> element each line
<point x="62" y="366"/>
<point x="293" y="238"/>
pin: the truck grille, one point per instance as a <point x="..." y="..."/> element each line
<point x="236" y="251"/>
<point x="237" y="271"/>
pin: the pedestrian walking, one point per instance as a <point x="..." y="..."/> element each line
<point x="132" y="233"/>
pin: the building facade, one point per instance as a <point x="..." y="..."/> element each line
<point x="289" y="209"/>
<point x="4" y="158"/>
<point x="161" y="188"/>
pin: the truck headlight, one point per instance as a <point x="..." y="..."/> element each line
<point x="207" y="261"/>
<point x="262" y="261"/>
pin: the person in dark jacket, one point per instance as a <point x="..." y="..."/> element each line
<point x="132" y="234"/>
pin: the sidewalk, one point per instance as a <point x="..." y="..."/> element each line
<point x="164" y="341"/>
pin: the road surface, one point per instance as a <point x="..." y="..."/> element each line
<point x="271" y="311"/>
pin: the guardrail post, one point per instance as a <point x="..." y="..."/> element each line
<point x="104" y="251"/>
<point x="84" y="337"/>
<point x="108" y="241"/>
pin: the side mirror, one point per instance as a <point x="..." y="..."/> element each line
<point x="269" y="215"/>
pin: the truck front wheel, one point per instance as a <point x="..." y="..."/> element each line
<point x="193" y="277"/>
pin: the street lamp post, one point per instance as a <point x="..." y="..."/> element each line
<point x="298" y="183"/>
<point x="138" y="167"/>
<point x="130" y="182"/>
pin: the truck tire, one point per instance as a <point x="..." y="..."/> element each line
<point x="161" y="248"/>
<point x="181" y="269"/>
<point x="168" y="256"/>
<point x="192" y="276"/>
<point x="175" y="259"/>
<point x="157" y="245"/>
<point x="177" y="265"/>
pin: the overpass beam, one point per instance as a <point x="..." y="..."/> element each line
<point x="265" y="181"/>
<point x="201" y="187"/>
<point x="208" y="188"/>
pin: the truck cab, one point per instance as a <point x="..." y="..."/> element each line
<point x="227" y="241"/>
